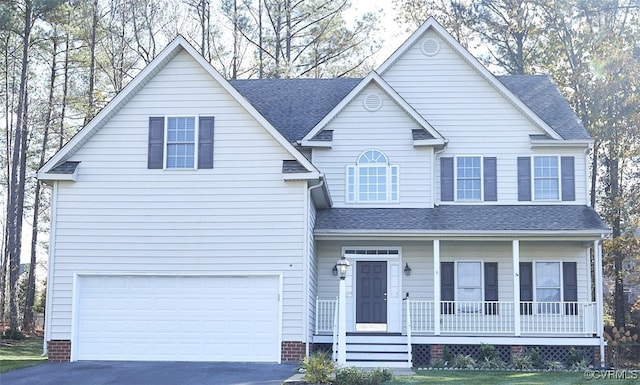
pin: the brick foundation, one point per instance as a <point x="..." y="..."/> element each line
<point x="59" y="350"/>
<point x="517" y="350"/>
<point x="437" y="352"/>
<point x="596" y="356"/>
<point x="292" y="351"/>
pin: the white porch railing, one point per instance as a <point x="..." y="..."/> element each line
<point x="325" y="315"/>
<point x="558" y="317"/>
<point x="466" y="317"/>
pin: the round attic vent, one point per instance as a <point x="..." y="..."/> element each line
<point x="430" y="47"/>
<point x="372" y="102"/>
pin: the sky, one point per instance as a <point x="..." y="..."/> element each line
<point x="393" y="35"/>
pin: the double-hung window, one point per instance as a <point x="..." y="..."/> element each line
<point x="548" y="287"/>
<point x="181" y="142"/>
<point x="468" y="178"/>
<point x="546" y="175"/>
<point x="372" y="179"/>
<point x="469" y="286"/>
<point x="465" y="286"/>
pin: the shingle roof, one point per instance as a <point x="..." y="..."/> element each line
<point x="462" y="218"/>
<point x="294" y="106"/>
<point x="65" y="168"/>
<point x="542" y="96"/>
<point x="292" y="167"/>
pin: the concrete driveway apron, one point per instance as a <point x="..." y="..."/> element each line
<point x="150" y="373"/>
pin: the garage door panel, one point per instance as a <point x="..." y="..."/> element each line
<point x="177" y="318"/>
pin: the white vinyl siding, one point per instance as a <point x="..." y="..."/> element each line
<point x="122" y="217"/>
<point x="388" y="130"/>
<point x="472" y="115"/>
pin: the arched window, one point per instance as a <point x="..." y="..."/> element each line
<point x="372" y="179"/>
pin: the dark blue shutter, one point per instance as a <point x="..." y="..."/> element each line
<point x="491" y="287"/>
<point x="155" y="152"/>
<point x="567" y="171"/>
<point x="446" y="179"/>
<point x="490" y="179"/>
<point x="524" y="178"/>
<point x="526" y="287"/>
<point x="447" y="287"/>
<point x="570" y="287"/>
<point x="205" y="142"/>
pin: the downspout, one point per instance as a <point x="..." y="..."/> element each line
<point x="599" y="298"/>
<point x="307" y="262"/>
<point x="51" y="268"/>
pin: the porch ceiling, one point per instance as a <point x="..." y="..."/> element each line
<point x="481" y="220"/>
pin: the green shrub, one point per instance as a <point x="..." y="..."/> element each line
<point x="554" y="366"/>
<point x="318" y="368"/>
<point x="464" y="362"/>
<point x="380" y="375"/>
<point x="488" y="352"/>
<point x="13" y="334"/>
<point x="534" y="357"/>
<point x="438" y="363"/>
<point x="521" y="362"/>
<point x="490" y="363"/>
<point x="576" y="359"/>
<point x="355" y="376"/>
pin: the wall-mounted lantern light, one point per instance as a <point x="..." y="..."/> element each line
<point x="407" y="269"/>
<point x="341" y="266"/>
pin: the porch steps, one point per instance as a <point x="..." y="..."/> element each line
<point x="377" y="350"/>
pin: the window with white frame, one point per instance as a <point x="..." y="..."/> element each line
<point x="372" y="179"/>
<point x="181" y="142"/>
<point x="469" y="286"/>
<point x="546" y="178"/>
<point x="468" y="178"/>
<point x="548" y="287"/>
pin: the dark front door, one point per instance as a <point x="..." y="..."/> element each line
<point x="371" y="292"/>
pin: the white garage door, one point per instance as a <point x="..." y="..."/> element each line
<point x="172" y="318"/>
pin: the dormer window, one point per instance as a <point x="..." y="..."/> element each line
<point x="372" y="179"/>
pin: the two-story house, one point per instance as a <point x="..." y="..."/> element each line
<point x="200" y="219"/>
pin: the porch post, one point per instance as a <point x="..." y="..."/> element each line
<point x="516" y="286"/>
<point x="436" y="287"/>
<point x="597" y="252"/>
<point x="342" y="265"/>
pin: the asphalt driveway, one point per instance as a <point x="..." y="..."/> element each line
<point x="150" y="373"/>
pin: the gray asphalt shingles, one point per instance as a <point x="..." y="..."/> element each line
<point x="462" y="218"/>
<point x="295" y="106"/>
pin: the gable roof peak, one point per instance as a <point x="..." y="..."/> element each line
<point x="177" y="45"/>
<point x="375" y="78"/>
<point x="432" y="25"/>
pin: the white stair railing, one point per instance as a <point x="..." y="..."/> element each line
<point x="409" y="327"/>
<point x="334" y="350"/>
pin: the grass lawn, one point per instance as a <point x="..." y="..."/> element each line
<point x="470" y="377"/>
<point x="20" y="354"/>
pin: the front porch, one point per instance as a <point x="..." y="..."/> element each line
<point x="417" y="293"/>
